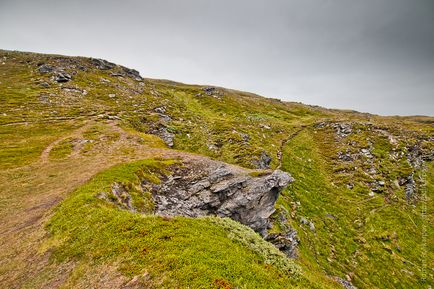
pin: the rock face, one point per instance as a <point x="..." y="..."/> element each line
<point x="219" y="189"/>
<point x="287" y="239"/>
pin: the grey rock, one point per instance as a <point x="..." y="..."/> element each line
<point x="345" y="283"/>
<point x="119" y="196"/>
<point x="117" y="74"/>
<point x="287" y="240"/>
<point x="342" y="129"/>
<point x="160" y="109"/>
<point x="212" y="91"/>
<point x="222" y="191"/>
<point x="367" y="153"/>
<point x="45" y="68"/>
<point x="245" y="136"/>
<point x="311" y="225"/>
<point x="263" y="162"/>
<point x="165" y="118"/>
<point x="166" y="136"/>
<point x="209" y="90"/>
<point x="410" y="188"/>
<point x="347" y="157"/>
<point x="133" y="74"/>
<point x="102" y="64"/>
<point x="330" y="216"/>
<point x="304" y="221"/>
<point x="62" y="77"/>
<point x="73" y="89"/>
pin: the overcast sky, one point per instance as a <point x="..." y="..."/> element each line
<point x="369" y="55"/>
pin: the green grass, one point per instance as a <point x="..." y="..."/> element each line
<point x="176" y="252"/>
<point x="62" y="150"/>
<point x="374" y="240"/>
<point x="23" y="144"/>
<point x="366" y="238"/>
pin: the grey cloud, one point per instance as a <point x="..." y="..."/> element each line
<point x="372" y="55"/>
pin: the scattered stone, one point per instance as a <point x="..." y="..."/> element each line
<point x="244" y="136"/>
<point x="347" y="284"/>
<point x="165" y="118"/>
<point x="45" y="68"/>
<point x="312" y="227"/>
<point x="166" y="136"/>
<point x="119" y="196"/>
<point x="160" y="109"/>
<point x="209" y="90"/>
<point x="264" y="126"/>
<point x="330" y="216"/>
<point x="371" y="194"/>
<point x="377" y="186"/>
<point x="62" y="77"/>
<point x="342" y="129"/>
<point x="263" y="162"/>
<point x="133" y="74"/>
<point x="102" y="64"/>
<point x="347" y="157"/>
<point x="287" y="240"/>
<point x="45" y="84"/>
<point x="212" y="91"/>
<point x="366" y="153"/>
<point x="73" y="89"/>
<point x="372" y="171"/>
<point x="212" y="147"/>
<point x="304" y="221"/>
<point x="410" y="188"/>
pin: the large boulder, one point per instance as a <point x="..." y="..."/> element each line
<point x="216" y="188"/>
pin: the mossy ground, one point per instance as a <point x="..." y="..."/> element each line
<point x="377" y="241"/>
<point x="174" y="252"/>
<point x="355" y="234"/>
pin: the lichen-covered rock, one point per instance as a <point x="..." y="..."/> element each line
<point x="102" y="64"/>
<point x="219" y="189"/>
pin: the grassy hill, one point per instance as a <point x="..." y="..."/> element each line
<point x="70" y="127"/>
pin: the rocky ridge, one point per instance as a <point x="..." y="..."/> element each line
<point x="201" y="188"/>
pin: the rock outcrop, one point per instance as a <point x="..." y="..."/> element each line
<point x="219" y="189"/>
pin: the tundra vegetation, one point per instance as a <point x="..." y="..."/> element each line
<point x="87" y="144"/>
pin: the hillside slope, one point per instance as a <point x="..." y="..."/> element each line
<point x="88" y="147"/>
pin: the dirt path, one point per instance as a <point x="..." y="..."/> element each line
<point x="29" y="194"/>
<point x="284" y="142"/>
<point x="45" y="155"/>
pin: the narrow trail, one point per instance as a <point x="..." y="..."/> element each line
<point x="45" y="155"/>
<point x="125" y="139"/>
<point x="285" y="142"/>
<point x="20" y="237"/>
